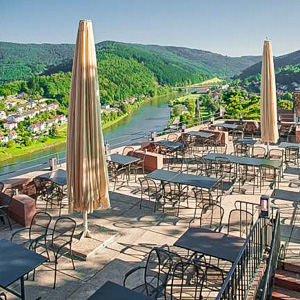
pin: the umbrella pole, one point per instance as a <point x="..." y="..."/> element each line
<point x="267" y="147"/>
<point x="85" y="233"/>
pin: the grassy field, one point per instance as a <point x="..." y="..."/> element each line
<point x="212" y="81"/>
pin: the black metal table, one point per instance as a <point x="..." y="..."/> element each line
<point x="200" y="134"/>
<point x="15" y="262"/>
<point x="124" y="160"/>
<point x="286" y="195"/>
<point x="169" y="144"/>
<point x="113" y="291"/>
<point x="208" y="242"/>
<point x="249" y="161"/>
<point x="289" y="145"/>
<point x="59" y="177"/>
<point x="226" y="126"/>
<point x="184" y="179"/>
<point x="249" y="142"/>
<point x="242" y="160"/>
<point x="292" y="171"/>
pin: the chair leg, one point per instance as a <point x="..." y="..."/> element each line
<point x="8" y="220"/>
<point x="55" y="271"/>
<point x="71" y="255"/>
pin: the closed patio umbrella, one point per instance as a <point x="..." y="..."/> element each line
<point x="268" y="101"/>
<point x="86" y="163"/>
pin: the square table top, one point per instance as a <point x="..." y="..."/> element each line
<point x="286" y="195"/>
<point x="201" y="134"/>
<point x="226" y="125"/>
<point x="113" y="291"/>
<point x="216" y="244"/>
<point x="183" y="178"/>
<point x="16" y="261"/>
<point x="242" y="160"/>
<point x="245" y="141"/>
<point x="292" y="171"/>
<point x="123" y="159"/>
<point x="289" y="145"/>
<point x="169" y="144"/>
<point x="58" y="177"/>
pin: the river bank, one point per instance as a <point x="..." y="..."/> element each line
<point x="52" y="142"/>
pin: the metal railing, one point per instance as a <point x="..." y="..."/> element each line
<point x="268" y="280"/>
<point x="242" y="273"/>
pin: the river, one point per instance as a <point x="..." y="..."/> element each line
<point x="153" y="115"/>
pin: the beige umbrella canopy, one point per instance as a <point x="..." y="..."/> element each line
<point x="86" y="164"/>
<point x="268" y="101"/>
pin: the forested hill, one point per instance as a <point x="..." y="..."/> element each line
<point x="291" y="59"/>
<point x="170" y="65"/>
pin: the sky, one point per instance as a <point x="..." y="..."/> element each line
<point x="229" y="27"/>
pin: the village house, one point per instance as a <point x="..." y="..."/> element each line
<point x="12" y="135"/>
<point x="20" y="109"/>
<point x="10" y="104"/>
<point x="2" y="115"/>
<point x="52" y="106"/>
<point x="10" y="125"/>
<point x="17" y="118"/>
<point x="3" y="138"/>
<point x="36" y="127"/>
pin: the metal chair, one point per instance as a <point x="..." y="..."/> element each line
<point x="3" y="296"/>
<point x="187" y="281"/>
<point x="36" y="232"/>
<point x="9" y="192"/>
<point x="240" y="221"/>
<point x="172" y="137"/>
<point x="211" y="217"/>
<point x="41" y="188"/>
<point x="115" y="172"/>
<point x="240" y="149"/>
<point x="1" y="186"/>
<point x="176" y="194"/>
<point x="268" y="174"/>
<point x="259" y="152"/>
<point x="4" y="208"/>
<point x="127" y="150"/>
<point x="292" y="156"/>
<point x="275" y="154"/>
<point x="154" y="275"/>
<point x="203" y="198"/>
<point x="61" y="241"/>
<point x="151" y="190"/>
<point x="138" y="166"/>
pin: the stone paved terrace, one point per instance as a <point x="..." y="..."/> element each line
<point x="139" y="230"/>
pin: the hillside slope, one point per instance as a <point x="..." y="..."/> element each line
<point x="170" y="65"/>
<point x="290" y="59"/>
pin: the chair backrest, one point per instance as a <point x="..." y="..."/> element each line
<point x="187" y="281"/>
<point x="148" y="186"/>
<point x="240" y="221"/>
<point x="5" y="199"/>
<point x="39" y="225"/>
<point x="9" y="192"/>
<point x="127" y="150"/>
<point x="240" y="149"/>
<point x="63" y="230"/>
<point x="203" y="198"/>
<point x="259" y="152"/>
<point x="2" y="296"/>
<point x="173" y="137"/>
<point x="211" y="216"/>
<point x="222" y="165"/>
<point x="157" y="271"/>
<point x="1" y="186"/>
<point x="276" y="154"/>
